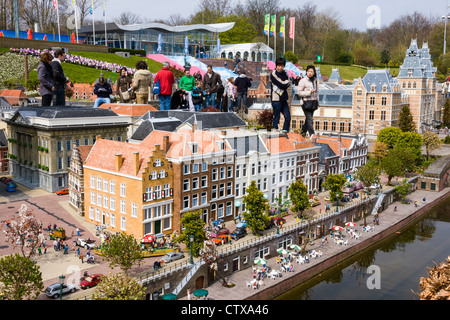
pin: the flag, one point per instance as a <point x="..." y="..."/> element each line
<point x="282" y="26"/>
<point x="92" y="7"/>
<point x="291" y="27"/>
<point x="55" y="4"/>
<point x="273" y="25"/>
<point x="104" y="8"/>
<point x="266" y="23"/>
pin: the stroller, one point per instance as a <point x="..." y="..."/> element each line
<point x="179" y="100"/>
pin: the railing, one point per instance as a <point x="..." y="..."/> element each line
<point x="188" y="277"/>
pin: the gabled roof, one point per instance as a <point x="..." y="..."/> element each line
<point x="417" y="62"/>
<point x="245" y="144"/>
<point x="279" y="144"/>
<point x="103" y="156"/>
<point x="129" y="109"/>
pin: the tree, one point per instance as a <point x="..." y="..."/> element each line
<point x="242" y="32"/>
<point x="128" y="18"/>
<point x="193" y="225"/>
<point x="411" y="141"/>
<point x="256" y="208"/>
<point x="122" y="250"/>
<point x="368" y="174"/>
<point x="446" y="116"/>
<point x="436" y="286"/>
<point x="403" y="190"/>
<point x="335" y="183"/>
<point x="265" y="119"/>
<point x="298" y="193"/>
<point x="290" y="56"/>
<point x="431" y="142"/>
<point x="379" y="151"/>
<point x="406" y="122"/>
<point x="25" y="231"/>
<point x="397" y="161"/>
<point x="389" y="135"/>
<point x="119" y="287"/>
<point x="20" y="278"/>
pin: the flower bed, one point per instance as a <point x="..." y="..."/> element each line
<point x="12" y="67"/>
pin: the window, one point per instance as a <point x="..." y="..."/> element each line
<point x="123" y="206"/>
<point x="158" y="192"/>
<point x="99" y="183"/>
<point x="195" y="168"/>
<point x="204" y="181"/>
<point x="58" y="146"/>
<point x="230" y="172"/>
<point x="123" y="224"/>
<point x="112" y="220"/>
<point x="92" y="182"/>
<point x="186" y="169"/>
<point x="204" y="166"/>
<point x="432" y="185"/>
<point x="68" y="145"/>
<point x="92" y="197"/>
<point x="237" y="190"/>
<point x="371" y="114"/>
<point x="333" y="126"/>
<point x="112" y="186"/>
<point x="383" y="115"/>
<point x="423" y="185"/>
<point x="220" y="210"/>
<point x="229" y="211"/>
<point x="238" y="170"/>
<point x="122" y="189"/>
<point x="203" y="198"/>
<point x="194" y="148"/>
<point x="91" y="213"/>
<point x="325" y="125"/>
<point x="59" y="163"/>
<point x="229" y="188"/>
<point x="105" y="202"/>
<point x="222" y="173"/>
<point x="244" y="170"/>
<point x="186" y="185"/>
<point x="186" y="202"/>
<point x="222" y="190"/>
<point x="342" y="126"/>
<point x="195" y="200"/>
<point x="372" y="101"/>
<point x="105" y="185"/>
<point x="214" y="192"/>
<point x="99" y="199"/>
<point x="383" y="101"/>
<point x="194" y="183"/>
<point x="167" y="189"/>
<point x="134" y="210"/>
<point x="214" y="174"/>
<point x="112" y="203"/>
<point x="86" y="142"/>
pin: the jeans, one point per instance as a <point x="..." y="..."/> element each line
<point x="231" y="107"/>
<point x="308" y="125"/>
<point x="241" y="98"/>
<point x="281" y="107"/>
<point x="47" y="100"/>
<point x="164" y="101"/>
<point x="100" y="101"/>
<point x="60" y="97"/>
<point x="211" y="99"/>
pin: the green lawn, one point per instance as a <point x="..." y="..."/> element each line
<point x="153" y="66"/>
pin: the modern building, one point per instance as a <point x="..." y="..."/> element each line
<point x="257" y="51"/>
<point x="41" y="140"/>
<point x="159" y="37"/>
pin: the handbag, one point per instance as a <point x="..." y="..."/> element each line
<point x="310" y="105"/>
<point x="157" y="88"/>
<point x="125" y="95"/>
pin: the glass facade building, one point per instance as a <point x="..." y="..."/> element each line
<point x="146" y="37"/>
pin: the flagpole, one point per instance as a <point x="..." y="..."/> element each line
<point x="93" y="21"/>
<point x="293" y="35"/>
<point x="76" y="22"/>
<point x="104" y="15"/>
<point x="57" y="14"/>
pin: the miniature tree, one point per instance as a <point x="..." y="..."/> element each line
<point x="193" y="225"/>
<point x="119" y="286"/>
<point x="25" y="231"/>
<point x="20" y="278"/>
<point x="256" y="208"/>
<point x="298" y="194"/>
<point x="431" y="142"/>
<point x="335" y="183"/>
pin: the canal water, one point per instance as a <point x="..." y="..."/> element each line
<point x="388" y="271"/>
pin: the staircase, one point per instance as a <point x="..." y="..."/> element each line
<point x="188" y="277"/>
<point x="378" y="203"/>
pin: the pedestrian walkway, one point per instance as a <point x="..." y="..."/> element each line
<point x="387" y="219"/>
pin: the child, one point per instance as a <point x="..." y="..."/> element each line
<point x="197" y="97"/>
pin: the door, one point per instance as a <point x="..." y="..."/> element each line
<point x="199" y="282"/>
<point x="157" y="226"/>
<point x="236" y="264"/>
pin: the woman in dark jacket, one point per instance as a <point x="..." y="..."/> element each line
<point x="45" y="76"/>
<point x="122" y="85"/>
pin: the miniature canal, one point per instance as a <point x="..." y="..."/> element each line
<point x="391" y="270"/>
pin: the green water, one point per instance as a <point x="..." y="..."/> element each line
<point x="402" y="260"/>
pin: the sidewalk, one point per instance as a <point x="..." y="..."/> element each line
<point x="388" y="218"/>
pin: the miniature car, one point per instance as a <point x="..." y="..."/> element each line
<point x="222" y="239"/>
<point x="87" y="244"/>
<point x="91" y="281"/>
<point x="172" y="256"/>
<point x="62" y="191"/>
<point x="238" y="233"/>
<point x="54" y="290"/>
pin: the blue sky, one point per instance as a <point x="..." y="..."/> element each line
<point x="353" y="13"/>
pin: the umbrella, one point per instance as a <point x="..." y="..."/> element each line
<point x="200" y="292"/>
<point x="295" y="247"/>
<point x="337" y="228"/>
<point x="147" y="238"/>
<point x="169" y="296"/>
<point x="282" y="251"/>
<point x="186" y="45"/>
<point x="350" y="224"/>
<point x="159" y="49"/>
<point x="260" y="261"/>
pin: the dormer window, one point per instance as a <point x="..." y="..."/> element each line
<point x="194" y="147"/>
<point x="221" y="145"/>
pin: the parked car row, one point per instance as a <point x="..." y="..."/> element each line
<point x="88" y="281"/>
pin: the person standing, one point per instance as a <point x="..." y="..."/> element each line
<point x="308" y="91"/>
<point x="59" y="78"/>
<point x="142" y="82"/>
<point x="45" y="76"/>
<point x="279" y="97"/>
<point x="211" y="83"/>
<point x="123" y="86"/>
<point x="166" y="81"/>
<point x="231" y="92"/>
<point x="187" y="84"/>
<point x="242" y="84"/>
<point x="103" y="90"/>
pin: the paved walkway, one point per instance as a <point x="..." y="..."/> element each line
<point x="388" y="218"/>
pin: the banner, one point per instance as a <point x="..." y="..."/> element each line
<point x="273" y="25"/>
<point x="266" y="24"/>
<point x="104" y="8"/>
<point x="291" y="27"/>
<point x="282" y="26"/>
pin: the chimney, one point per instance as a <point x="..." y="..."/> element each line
<point x="165" y="146"/>
<point x="97" y="138"/>
<point x="119" y="161"/>
<point x="136" y="162"/>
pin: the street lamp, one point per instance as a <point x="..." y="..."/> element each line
<point x="337" y="201"/>
<point x="191" y="240"/>
<point x="61" y="283"/>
